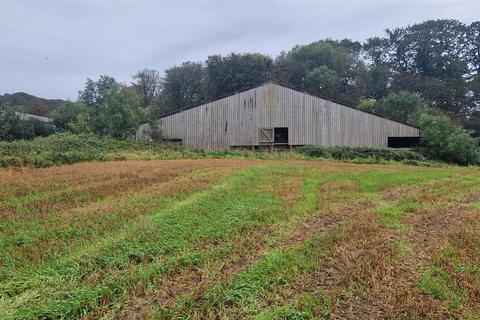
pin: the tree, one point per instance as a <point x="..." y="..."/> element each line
<point x="472" y="122"/>
<point x="95" y="92"/>
<point x="378" y="81"/>
<point x="94" y="96"/>
<point x="321" y="53"/>
<point x="289" y="72"/>
<point x="120" y="113"/>
<point x="12" y="127"/>
<point x="376" y="50"/>
<point x="42" y="128"/>
<point x="66" y="113"/>
<point x="235" y="72"/>
<point x="155" y="132"/>
<point x="323" y="81"/>
<point x="474" y="46"/>
<point x="433" y="59"/>
<point x="342" y="57"/>
<point x="435" y="48"/>
<point x="402" y="106"/>
<point x="367" y="104"/>
<point x="353" y="48"/>
<point x="443" y="140"/>
<point x="21" y="129"/>
<point x="81" y="124"/>
<point x="5" y="125"/>
<point x="146" y="83"/>
<point x="182" y="87"/>
<point x="449" y="95"/>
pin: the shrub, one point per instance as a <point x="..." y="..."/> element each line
<point x="61" y="148"/>
<point x="443" y="140"/>
<point x="10" y="162"/>
<point x="314" y="151"/>
<point x="350" y="153"/>
<point x="402" y="106"/>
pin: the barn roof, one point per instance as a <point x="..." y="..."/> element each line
<point x="295" y="89"/>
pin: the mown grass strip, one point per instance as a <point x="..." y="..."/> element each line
<point x="305" y="201"/>
<point x="146" y="250"/>
<point x="242" y="299"/>
<point x="453" y="275"/>
<point x="320" y="309"/>
<point x="239" y="297"/>
<point x="214" y="214"/>
<point x="28" y="243"/>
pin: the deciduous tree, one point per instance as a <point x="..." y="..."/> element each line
<point x="147" y="84"/>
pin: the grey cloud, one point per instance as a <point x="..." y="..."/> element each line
<point x="49" y="48"/>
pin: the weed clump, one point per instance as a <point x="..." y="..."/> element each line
<point x="350" y="153"/>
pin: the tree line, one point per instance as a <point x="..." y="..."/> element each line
<point x="410" y="73"/>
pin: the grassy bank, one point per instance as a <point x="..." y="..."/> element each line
<point x="66" y="148"/>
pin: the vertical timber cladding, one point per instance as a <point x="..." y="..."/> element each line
<point x="237" y="119"/>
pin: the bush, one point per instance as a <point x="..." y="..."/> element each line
<point x="314" y="151"/>
<point x="443" y="140"/>
<point x="402" y="106"/>
<point x="350" y="153"/>
<point x="67" y="148"/>
<point x="8" y="161"/>
<point x="62" y="148"/>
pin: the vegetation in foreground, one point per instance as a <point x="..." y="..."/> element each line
<point x="67" y="148"/>
<point x="239" y="239"/>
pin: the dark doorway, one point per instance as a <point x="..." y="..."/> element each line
<point x="403" y="142"/>
<point x="280" y="135"/>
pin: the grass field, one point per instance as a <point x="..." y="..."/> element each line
<point x="239" y="239"/>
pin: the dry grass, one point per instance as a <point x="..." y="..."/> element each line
<point x="244" y="239"/>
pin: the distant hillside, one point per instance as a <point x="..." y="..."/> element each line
<point x="30" y="104"/>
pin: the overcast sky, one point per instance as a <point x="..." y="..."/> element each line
<point x="49" y="48"/>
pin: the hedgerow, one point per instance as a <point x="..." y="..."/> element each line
<point x="350" y="153"/>
<point x="68" y="148"/>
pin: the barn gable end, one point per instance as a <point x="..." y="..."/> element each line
<point x="255" y="117"/>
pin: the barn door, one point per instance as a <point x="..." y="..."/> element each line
<point x="266" y="135"/>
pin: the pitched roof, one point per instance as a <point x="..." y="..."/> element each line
<point x="291" y="88"/>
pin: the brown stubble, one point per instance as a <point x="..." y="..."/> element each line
<point x="194" y="282"/>
<point x="148" y="182"/>
<point x="247" y="247"/>
<point x="339" y="201"/>
<point x="62" y="187"/>
<point x="380" y="279"/>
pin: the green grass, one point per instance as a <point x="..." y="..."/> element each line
<point x="305" y="306"/>
<point x="234" y="249"/>
<point x="160" y="234"/>
<point x="275" y="269"/>
<point x="68" y="148"/>
<point x="441" y="285"/>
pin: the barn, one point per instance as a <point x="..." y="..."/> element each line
<point x="276" y="116"/>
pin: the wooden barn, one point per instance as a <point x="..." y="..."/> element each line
<point x="275" y="116"/>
